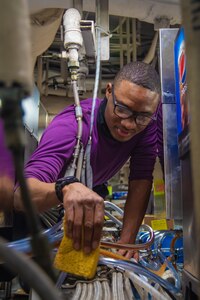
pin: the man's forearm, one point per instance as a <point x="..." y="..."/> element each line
<point x="135" y="208"/>
<point x="42" y="194"/>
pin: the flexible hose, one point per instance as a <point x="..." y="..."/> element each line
<point x="90" y="295"/>
<point x="55" y="235"/>
<point x="110" y="254"/>
<point x="83" y="291"/>
<point x="114" y="286"/>
<point x="106" y="290"/>
<point x="171" y="268"/>
<point x="132" y="246"/>
<point x="145" y="285"/>
<point x="113" y="218"/>
<point x="77" y="293"/>
<point x="61" y="278"/>
<point x="127" y="286"/>
<point x="72" y="170"/>
<point x="120" y="286"/>
<point x="98" y="292"/>
<point x="134" y="267"/>
<point x="30" y="272"/>
<point x="89" y="176"/>
<point x="113" y="207"/>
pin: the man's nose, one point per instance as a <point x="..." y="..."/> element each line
<point x="129" y="123"/>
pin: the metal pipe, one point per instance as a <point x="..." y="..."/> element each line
<point x="128" y="40"/>
<point x="132" y="246"/>
<point x="121" y="20"/>
<point x="89" y="175"/>
<point x="134" y="40"/>
<point x="152" y="50"/>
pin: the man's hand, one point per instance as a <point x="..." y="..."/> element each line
<point x="6" y="193"/>
<point x="84" y="214"/>
<point x="129" y="254"/>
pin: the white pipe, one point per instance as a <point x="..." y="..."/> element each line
<point x="145" y="285"/>
<point x="90" y="292"/>
<point x="15" y="50"/>
<point x="106" y="290"/>
<point x="98" y="291"/>
<point x="72" y="32"/>
<point x="151" y="53"/>
<point x="77" y="292"/>
<point x="127" y="285"/>
<point x="120" y="287"/>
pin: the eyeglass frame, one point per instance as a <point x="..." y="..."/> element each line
<point x="133" y="114"/>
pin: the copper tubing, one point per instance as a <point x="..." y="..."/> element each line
<point x="110" y="254"/>
<point x="131" y="246"/>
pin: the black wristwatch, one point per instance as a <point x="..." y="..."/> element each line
<point x="60" y="183"/>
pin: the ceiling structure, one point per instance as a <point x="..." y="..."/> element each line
<point x="132" y="28"/>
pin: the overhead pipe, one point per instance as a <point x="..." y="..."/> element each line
<point x="152" y="50"/>
<point x="72" y="42"/>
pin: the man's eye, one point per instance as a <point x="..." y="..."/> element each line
<point x="121" y="109"/>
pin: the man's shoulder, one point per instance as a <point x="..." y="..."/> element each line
<point x="86" y="106"/>
<point x="87" y="103"/>
<point x="67" y="116"/>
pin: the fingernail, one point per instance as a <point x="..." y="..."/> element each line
<point x="94" y="245"/>
<point x="87" y="250"/>
<point x="76" y="246"/>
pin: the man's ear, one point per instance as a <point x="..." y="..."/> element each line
<point x="108" y="89"/>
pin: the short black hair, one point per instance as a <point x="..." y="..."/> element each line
<point x="141" y="74"/>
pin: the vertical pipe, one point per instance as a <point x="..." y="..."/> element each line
<point x="78" y="4"/>
<point x="128" y="40"/>
<point x="134" y="40"/>
<point x="121" y="42"/>
<point x="98" y="36"/>
<point x="191" y="22"/>
<point x="103" y="22"/>
<point x="39" y="73"/>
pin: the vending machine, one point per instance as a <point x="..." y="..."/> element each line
<point x="191" y="275"/>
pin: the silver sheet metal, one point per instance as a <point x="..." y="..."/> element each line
<point x="171" y="157"/>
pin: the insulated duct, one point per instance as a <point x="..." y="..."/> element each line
<point x="15" y="50"/>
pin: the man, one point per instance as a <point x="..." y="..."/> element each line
<point x="124" y="127"/>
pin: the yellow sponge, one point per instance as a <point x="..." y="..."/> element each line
<point x="76" y="262"/>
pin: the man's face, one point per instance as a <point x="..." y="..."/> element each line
<point x="138" y="101"/>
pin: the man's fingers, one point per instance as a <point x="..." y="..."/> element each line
<point x="129" y="253"/>
<point x="70" y="221"/>
<point x="98" y="223"/>
<point x="122" y="252"/>
<point x="77" y="227"/>
<point x="88" y="228"/>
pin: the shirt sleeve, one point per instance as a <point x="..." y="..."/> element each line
<point x="143" y="156"/>
<point x="55" y="150"/>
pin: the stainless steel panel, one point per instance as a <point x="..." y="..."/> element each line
<point x="171" y="157"/>
<point x="191" y="247"/>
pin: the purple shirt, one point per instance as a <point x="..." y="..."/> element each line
<point x="54" y="153"/>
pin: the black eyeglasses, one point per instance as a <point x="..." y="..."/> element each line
<point x="123" y="112"/>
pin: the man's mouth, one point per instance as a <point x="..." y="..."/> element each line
<point x="123" y="132"/>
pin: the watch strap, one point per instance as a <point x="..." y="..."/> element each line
<point x="60" y="183"/>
